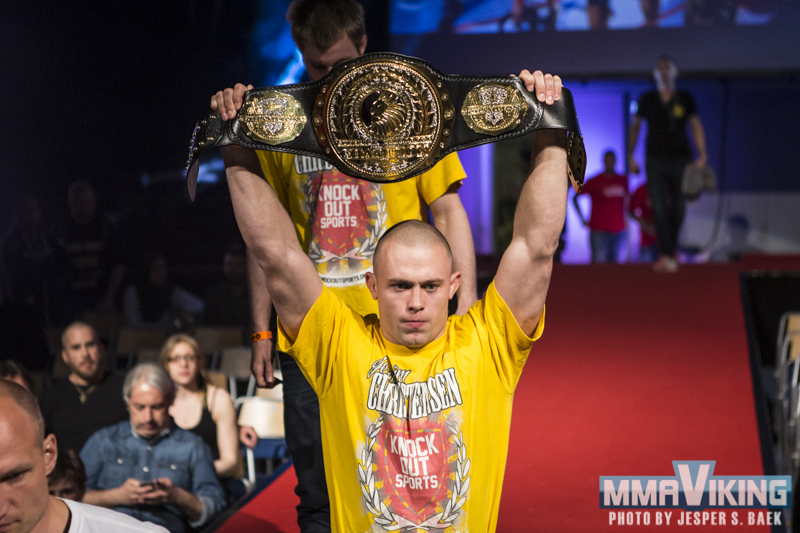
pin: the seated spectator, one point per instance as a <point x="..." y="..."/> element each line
<point x="738" y="244"/>
<point x="15" y="372"/>
<point x="153" y="302"/>
<point x="148" y="467"/>
<point x="608" y="192"/>
<point x="199" y="407"/>
<point x="26" y="457"/>
<point x="68" y="479"/>
<point x="33" y="262"/>
<point x="641" y="209"/>
<point x="228" y="302"/>
<point x="96" y="270"/>
<point x="89" y="398"/>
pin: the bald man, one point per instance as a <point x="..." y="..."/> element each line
<point x="89" y="398"/>
<point x="26" y="458"/>
<point x="415" y="407"/>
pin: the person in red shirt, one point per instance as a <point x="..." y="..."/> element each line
<point x="609" y="192"/>
<point x="642" y="210"/>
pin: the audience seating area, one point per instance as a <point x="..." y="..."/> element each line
<point x="228" y="367"/>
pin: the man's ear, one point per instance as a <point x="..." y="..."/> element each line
<point x="50" y="449"/>
<point x="455" y="283"/>
<point x="363" y="45"/>
<point x="372" y="284"/>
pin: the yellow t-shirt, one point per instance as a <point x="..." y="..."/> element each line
<point x="339" y="219"/>
<point x="430" y="453"/>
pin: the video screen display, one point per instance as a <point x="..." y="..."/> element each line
<point x="509" y="16"/>
<point x="599" y="37"/>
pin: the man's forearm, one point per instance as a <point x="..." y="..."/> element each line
<point x="633" y="135"/>
<point x="450" y="218"/>
<point x="260" y="301"/>
<point x="543" y="203"/>
<point x="190" y="504"/>
<point x="103" y="498"/>
<point x="524" y="272"/>
<point x="292" y="281"/>
<point x="699" y="136"/>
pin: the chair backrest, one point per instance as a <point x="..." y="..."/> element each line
<point x="148" y="355"/>
<point x="789" y="323"/>
<point x="130" y="341"/>
<point x="275" y="393"/>
<point x="105" y="324"/>
<point x="59" y="368"/>
<point x="235" y="362"/>
<point x="213" y="339"/>
<point x="218" y="379"/>
<point x="792" y="346"/>
<point x="264" y="416"/>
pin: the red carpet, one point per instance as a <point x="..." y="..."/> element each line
<point x="634" y="370"/>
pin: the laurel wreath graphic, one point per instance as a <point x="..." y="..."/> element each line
<point x="367" y="248"/>
<point x="390" y="521"/>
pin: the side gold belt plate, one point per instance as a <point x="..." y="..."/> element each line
<point x="494" y="108"/>
<point x="383" y="119"/>
<point x="273" y="118"/>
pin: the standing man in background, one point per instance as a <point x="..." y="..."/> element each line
<point x="338" y="221"/>
<point x="667" y="111"/>
<point x="609" y="193"/>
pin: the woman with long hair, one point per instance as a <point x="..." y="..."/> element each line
<point x="199" y="407"/>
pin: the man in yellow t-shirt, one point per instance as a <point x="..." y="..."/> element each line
<point x="338" y="220"/>
<point x="415" y="407"/>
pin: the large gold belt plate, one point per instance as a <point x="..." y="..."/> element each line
<point x="383" y="119"/>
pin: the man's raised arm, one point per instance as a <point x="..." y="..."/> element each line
<point x="524" y="272"/>
<point x="291" y="279"/>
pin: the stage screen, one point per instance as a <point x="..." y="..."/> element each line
<point x="599" y="37"/>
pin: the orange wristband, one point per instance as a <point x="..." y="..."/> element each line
<point x="261" y="335"/>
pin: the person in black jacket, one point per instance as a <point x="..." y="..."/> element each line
<point x="667" y="111"/>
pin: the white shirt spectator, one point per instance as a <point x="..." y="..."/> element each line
<point x="91" y="519"/>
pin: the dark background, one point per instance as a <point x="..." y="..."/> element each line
<point x="110" y="92"/>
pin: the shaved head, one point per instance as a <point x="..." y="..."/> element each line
<point x="413" y="281"/>
<point x="413" y="234"/>
<point x="26" y="457"/>
<point x="27" y="402"/>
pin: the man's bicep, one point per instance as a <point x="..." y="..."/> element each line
<point x="522" y="281"/>
<point x="294" y="290"/>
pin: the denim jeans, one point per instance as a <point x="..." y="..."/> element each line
<point x="606" y="245"/>
<point x="664" y="177"/>
<point x="648" y="254"/>
<point x="304" y="440"/>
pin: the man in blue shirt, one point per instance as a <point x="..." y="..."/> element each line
<point x="148" y="467"/>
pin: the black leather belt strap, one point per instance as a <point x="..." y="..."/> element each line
<point x="385" y="117"/>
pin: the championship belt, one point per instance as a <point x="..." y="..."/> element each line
<point x="385" y="117"/>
